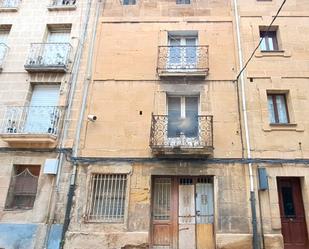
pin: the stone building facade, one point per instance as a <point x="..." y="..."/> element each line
<point x="41" y="43"/>
<point x="164" y="144"/>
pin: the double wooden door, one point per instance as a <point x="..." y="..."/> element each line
<point x="183" y="213"/>
<point x="293" y="223"/>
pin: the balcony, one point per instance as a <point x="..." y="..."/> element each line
<point x="9" y="5"/>
<point x="183" y="61"/>
<point x="49" y="57"/>
<point x="3" y="52"/>
<point x="31" y="126"/>
<point x="62" y="5"/>
<point x="166" y="140"/>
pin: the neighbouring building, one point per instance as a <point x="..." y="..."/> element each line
<point x="40" y="53"/>
<point x="136" y="124"/>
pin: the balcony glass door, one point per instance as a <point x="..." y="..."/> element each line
<point x="182" y="128"/>
<point x="42" y="111"/>
<point x="182" y="53"/>
<point x="55" y="50"/>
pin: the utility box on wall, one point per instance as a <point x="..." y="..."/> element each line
<point x="263" y="179"/>
<point x="51" y="166"/>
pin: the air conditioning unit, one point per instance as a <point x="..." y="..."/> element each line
<point x="51" y="166"/>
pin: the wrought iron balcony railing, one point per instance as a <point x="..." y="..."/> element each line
<point x="49" y="57"/>
<point x="3" y="52"/>
<point x="183" y="60"/>
<point x="9" y="4"/>
<point x="200" y="138"/>
<point x="40" y="120"/>
<point x="63" y="3"/>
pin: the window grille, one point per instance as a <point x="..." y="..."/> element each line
<point x="23" y="187"/>
<point x="162" y="199"/>
<point x="108" y="192"/>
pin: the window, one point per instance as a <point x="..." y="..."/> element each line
<point x="23" y="187"/>
<point x="269" y="41"/>
<point x="4" y="33"/>
<point x="129" y="2"/>
<point x="182" y="1"/>
<point x="43" y="113"/>
<point x="277" y="107"/>
<point x="182" y="116"/>
<point x="108" y="194"/>
<point x="182" y="52"/>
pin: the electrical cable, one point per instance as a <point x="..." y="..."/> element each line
<point x="257" y="47"/>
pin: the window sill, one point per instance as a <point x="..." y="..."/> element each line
<point x="8" y="9"/>
<point x="274" y="53"/>
<point x="17" y="209"/>
<point x="61" y="7"/>
<point x="283" y="127"/>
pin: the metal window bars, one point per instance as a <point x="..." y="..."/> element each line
<point x="49" y="55"/>
<point x="24" y="189"/>
<point x="107" y="200"/>
<point x="31" y="120"/>
<point x="159" y="134"/>
<point x="3" y="52"/>
<point x="9" y="3"/>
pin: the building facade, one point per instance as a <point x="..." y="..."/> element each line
<point x="167" y="138"/>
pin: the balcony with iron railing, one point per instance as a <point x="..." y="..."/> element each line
<point x="9" y="5"/>
<point x="48" y="57"/>
<point x="181" y="61"/>
<point x="31" y="125"/>
<point x="3" y="53"/>
<point x="62" y="5"/>
<point x="185" y="137"/>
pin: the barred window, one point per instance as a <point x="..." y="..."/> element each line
<point x="108" y="192"/>
<point x="23" y="187"/>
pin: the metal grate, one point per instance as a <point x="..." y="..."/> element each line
<point x="23" y="190"/>
<point x="107" y="197"/>
<point x="162" y="199"/>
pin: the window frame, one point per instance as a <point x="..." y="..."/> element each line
<point x="275" y="107"/>
<point x="128" y="2"/>
<point x="91" y="201"/>
<point x="10" y="202"/>
<point x="266" y="36"/>
<point x="183" y="2"/>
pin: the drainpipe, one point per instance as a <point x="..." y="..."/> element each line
<point x="80" y="119"/>
<point x="255" y="240"/>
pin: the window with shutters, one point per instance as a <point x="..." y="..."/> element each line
<point x="108" y="197"/>
<point x="23" y="187"/>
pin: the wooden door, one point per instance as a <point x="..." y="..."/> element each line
<point x="292" y="214"/>
<point x="182" y="213"/>
<point x="204" y="214"/>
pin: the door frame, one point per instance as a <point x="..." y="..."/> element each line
<point x="175" y="203"/>
<point x="301" y="195"/>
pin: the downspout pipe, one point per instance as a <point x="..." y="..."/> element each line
<point x="255" y="239"/>
<point x="80" y="121"/>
